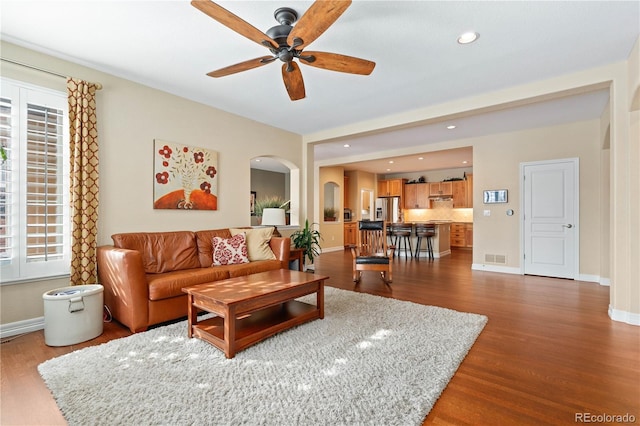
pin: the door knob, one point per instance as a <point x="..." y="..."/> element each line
<point x="568" y="226"/>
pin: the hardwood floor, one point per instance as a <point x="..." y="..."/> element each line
<point x="549" y="352"/>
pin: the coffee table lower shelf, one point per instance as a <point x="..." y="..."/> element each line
<point x="257" y="326"/>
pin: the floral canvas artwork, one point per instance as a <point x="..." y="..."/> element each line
<point x="185" y="177"/>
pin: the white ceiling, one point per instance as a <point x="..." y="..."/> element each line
<point x="171" y="46"/>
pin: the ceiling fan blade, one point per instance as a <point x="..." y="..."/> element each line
<point x="293" y="81"/>
<point x="242" y="66"/>
<point x="316" y="20"/>
<point x="233" y="22"/>
<point x="336" y="62"/>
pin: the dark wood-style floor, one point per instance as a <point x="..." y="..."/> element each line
<point x="549" y="352"/>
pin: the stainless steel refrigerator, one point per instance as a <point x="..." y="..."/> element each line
<point x="388" y="209"/>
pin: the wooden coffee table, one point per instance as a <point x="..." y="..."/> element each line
<point x="251" y="308"/>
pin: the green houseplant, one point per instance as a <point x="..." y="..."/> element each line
<point x="330" y="214"/>
<point x="268" y="203"/>
<point x="309" y="240"/>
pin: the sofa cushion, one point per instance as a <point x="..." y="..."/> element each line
<point x="205" y="247"/>
<point x="257" y="242"/>
<point x="170" y="284"/>
<point x="230" y="251"/>
<point x="162" y="251"/>
<point x="252" y="267"/>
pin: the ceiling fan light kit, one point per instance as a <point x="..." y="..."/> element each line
<point x="286" y="42"/>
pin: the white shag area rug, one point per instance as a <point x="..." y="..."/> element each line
<point x="370" y="361"/>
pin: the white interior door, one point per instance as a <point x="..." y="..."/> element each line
<point x="550" y="222"/>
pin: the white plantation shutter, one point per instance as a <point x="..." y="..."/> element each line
<point x="45" y="209"/>
<point x="34" y="241"/>
<point x="6" y="188"/>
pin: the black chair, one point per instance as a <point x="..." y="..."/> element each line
<point x="371" y="252"/>
<point x="428" y="231"/>
<point x="402" y="233"/>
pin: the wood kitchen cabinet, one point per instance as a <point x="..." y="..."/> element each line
<point x="350" y="233"/>
<point x="459" y="188"/>
<point x="391" y="187"/>
<point x="469" y="190"/>
<point x="440" y="188"/>
<point x="468" y="234"/>
<point x="461" y="234"/>
<point x="463" y="193"/>
<point x="416" y="196"/>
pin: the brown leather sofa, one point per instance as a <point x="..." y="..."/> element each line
<point x="143" y="273"/>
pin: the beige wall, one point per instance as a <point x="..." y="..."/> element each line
<point x="332" y="232"/>
<point x="130" y="117"/>
<point x="496" y="161"/>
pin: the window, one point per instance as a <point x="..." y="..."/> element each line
<point x="34" y="182"/>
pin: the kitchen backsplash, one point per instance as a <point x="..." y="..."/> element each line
<point x="442" y="210"/>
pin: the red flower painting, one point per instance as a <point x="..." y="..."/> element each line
<point x="185" y="177"/>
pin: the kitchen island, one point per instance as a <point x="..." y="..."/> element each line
<point x="441" y="241"/>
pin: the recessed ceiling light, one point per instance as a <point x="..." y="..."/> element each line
<point x="420" y="158"/>
<point x="467" y="38"/>
<point x="388" y="170"/>
<point x="346" y="145"/>
<point x="465" y="162"/>
<point x="390" y="161"/>
<point x="258" y="160"/>
<point x="451" y="127"/>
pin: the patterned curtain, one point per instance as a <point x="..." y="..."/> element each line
<point x="83" y="180"/>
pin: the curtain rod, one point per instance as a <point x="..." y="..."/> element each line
<point x="98" y="85"/>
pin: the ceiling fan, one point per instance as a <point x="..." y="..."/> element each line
<point x="286" y="42"/>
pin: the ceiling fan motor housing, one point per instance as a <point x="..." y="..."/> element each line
<point x="285" y="16"/>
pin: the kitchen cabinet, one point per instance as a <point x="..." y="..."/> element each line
<point x="391" y="187"/>
<point x="469" y="190"/>
<point x="468" y="235"/>
<point x="463" y="193"/>
<point x="459" y="189"/>
<point x="440" y="188"/>
<point x="461" y="234"/>
<point x="416" y="196"/>
<point x="350" y="236"/>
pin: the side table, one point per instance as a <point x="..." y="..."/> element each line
<point x="297" y="253"/>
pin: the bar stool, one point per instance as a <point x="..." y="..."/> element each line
<point x="428" y="231"/>
<point x="402" y="234"/>
<point x="389" y="234"/>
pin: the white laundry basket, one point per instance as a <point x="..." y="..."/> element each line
<point x="73" y="314"/>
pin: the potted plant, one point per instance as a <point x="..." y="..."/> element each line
<point x="309" y="240"/>
<point x="267" y="203"/>
<point x="330" y="214"/>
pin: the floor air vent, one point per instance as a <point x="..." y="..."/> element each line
<point x="500" y="259"/>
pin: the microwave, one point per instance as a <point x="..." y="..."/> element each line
<point x="347" y="215"/>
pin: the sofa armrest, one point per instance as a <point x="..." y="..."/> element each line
<point x="126" y="291"/>
<point x="281" y="247"/>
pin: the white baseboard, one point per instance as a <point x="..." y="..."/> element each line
<point x="21" y="327"/>
<point x="589" y="278"/>
<point x="495" y="268"/>
<point x="623" y="316"/>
